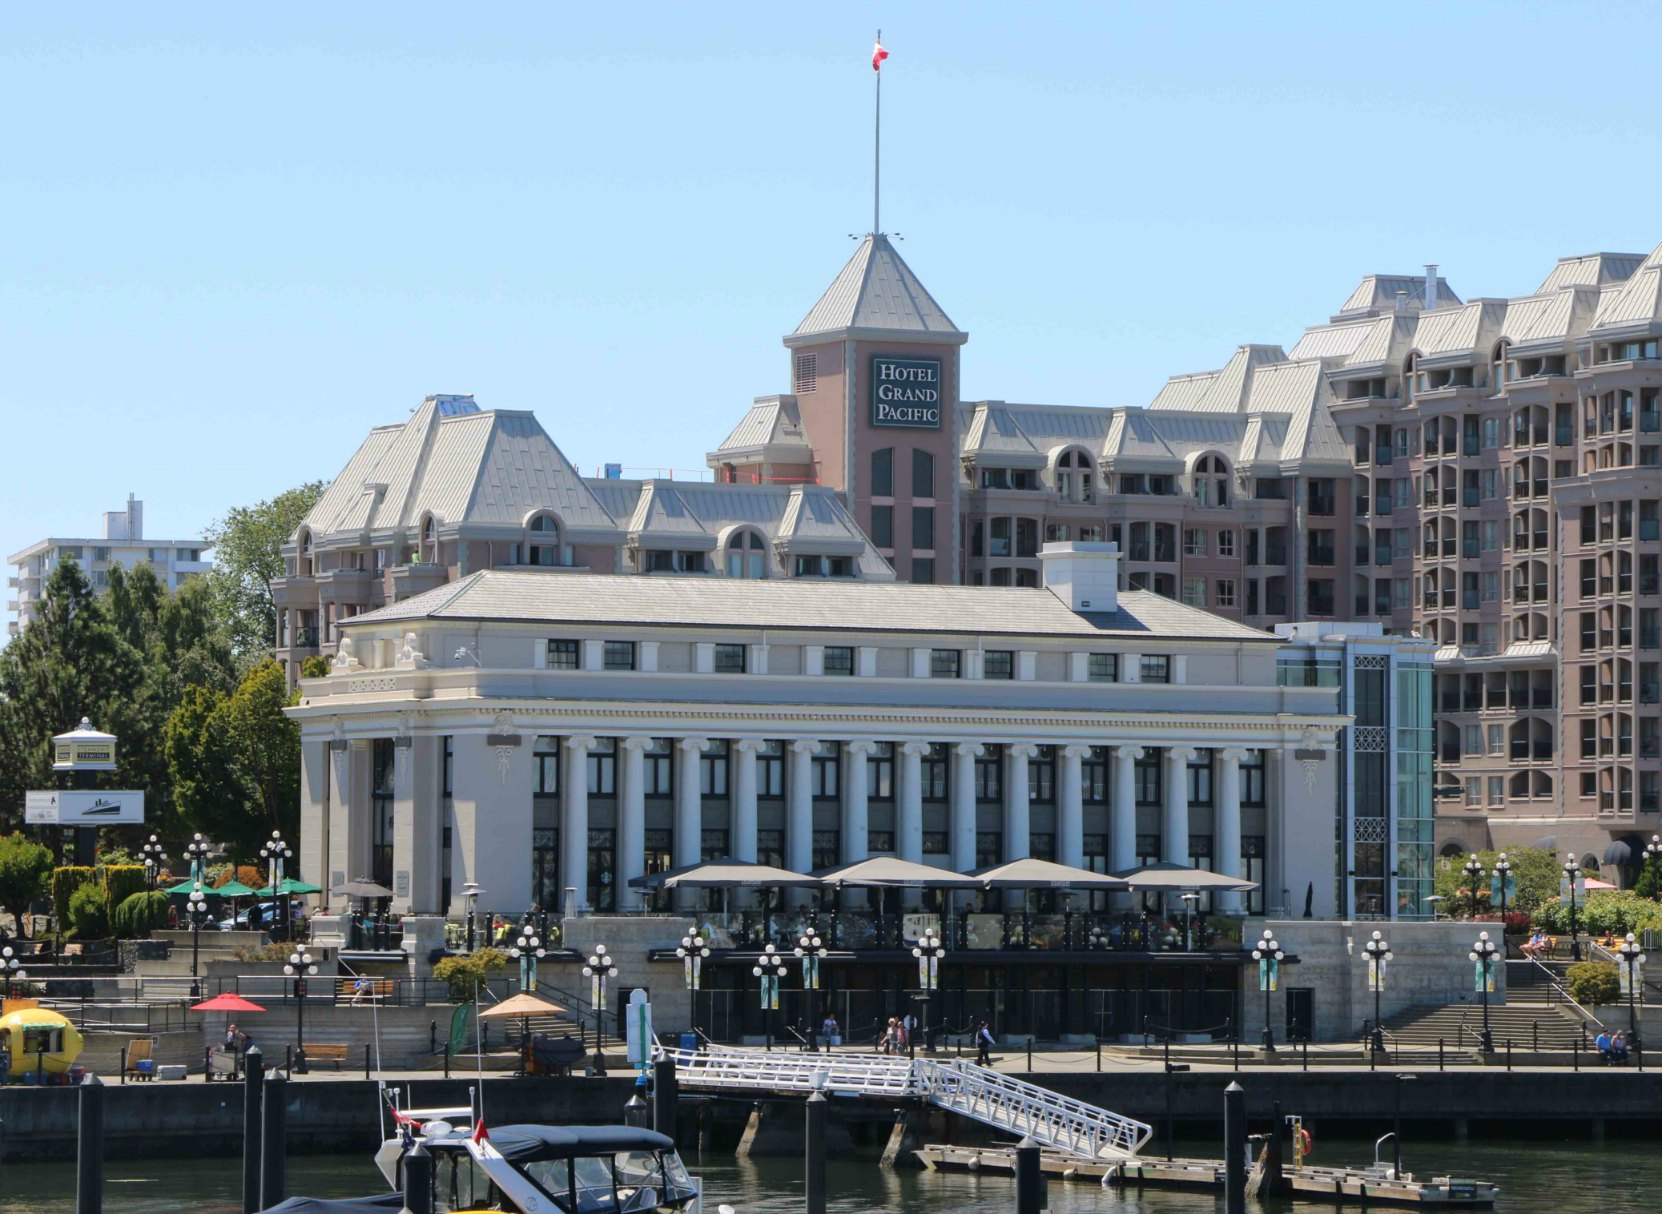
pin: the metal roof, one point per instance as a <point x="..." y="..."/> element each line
<point x="1591" y="270"/>
<point x="877" y="290"/>
<point x="1332" y="341"/>
<point x="1637" y="302"/>
<point x="772" y="421"/>
<point x="1378" y="293"/>
<point x="506" y="595"/>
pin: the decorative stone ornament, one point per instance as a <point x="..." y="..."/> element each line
<point x="409" y="657"/>
<point x="344" y="662"/>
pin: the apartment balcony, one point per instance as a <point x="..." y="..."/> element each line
<point x="345" y="586"/>
<point x="293" y="592"/>
<point x="303" y="638"/>
<point x="411" y="580"/>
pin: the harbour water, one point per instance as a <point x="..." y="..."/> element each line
<point x="1536" y="1177"/>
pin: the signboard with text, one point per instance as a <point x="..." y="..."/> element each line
<point x="906" y="392"/>
<point x="78" y="807"/>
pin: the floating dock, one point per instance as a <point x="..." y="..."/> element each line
<point x="1331" y="1186"/>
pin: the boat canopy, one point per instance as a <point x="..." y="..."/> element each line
<point x="521" y="1144"/>
<point x="337" y="1205"/>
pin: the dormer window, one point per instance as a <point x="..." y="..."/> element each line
<point x="746" y="555"/>
<point x="822" y="566"/>
<point x="542" y="543"/>
<point x="1212" y="481"/>
<point x="1075" y="481"/>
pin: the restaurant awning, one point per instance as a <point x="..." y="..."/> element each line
<point x="1044" y="874"/>
<point x="1154" y="878"/>
<point x="723" y="874"/>
<point x="894" y="872"/>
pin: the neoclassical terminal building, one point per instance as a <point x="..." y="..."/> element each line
<point x="550" y="738"/>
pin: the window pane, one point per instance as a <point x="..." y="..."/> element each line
<point x="923" y="474"/>
<point x="882" y="472"/>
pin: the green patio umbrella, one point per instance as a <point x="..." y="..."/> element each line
<point x="290" y="886"/>
<point x="234" y="889"/>
<point x="185" y="887"/>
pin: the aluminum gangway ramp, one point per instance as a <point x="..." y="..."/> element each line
<point x="1001" y="1101"/>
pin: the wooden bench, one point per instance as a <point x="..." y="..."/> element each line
<point x="138" y="1059"/>
<point x="324" y="1052"/>
<point x="381" y="990"/>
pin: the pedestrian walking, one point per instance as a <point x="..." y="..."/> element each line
<point x="983" y="1045"/>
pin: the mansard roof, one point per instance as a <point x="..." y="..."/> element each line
<point x="876" y="295"/>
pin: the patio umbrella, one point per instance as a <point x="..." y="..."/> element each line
<point x="289" y="885"/>
<point x="1158" y="878"/>
<point x="1595" y="883"/>
<point x="233" y="889"/>
<point x="185" y="887"/>
<point x="228" y="1002"/>
<point x="362" y="887"/>
<point x="522" y="1006"/>
<point x="723" y="874"/>
<point x="1044" y="874"/>
<point x="890" y="871"/>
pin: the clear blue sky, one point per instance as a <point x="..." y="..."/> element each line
<point x="234" y="237"/>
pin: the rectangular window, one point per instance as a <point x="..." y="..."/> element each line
<point x="1194" y="591"/>
<point x="933" y="771"/>
<point x="619" y="655"/>
<point x="712" y="845"/>
<point x="989" y="848"/>
<point x="825" y="772"/>
<point x="1147" y="774"/>
<point x="1041" y="776"/>
<point x="658" y="768"/>
<point x="770" y="769"/>
<point x="770" y="847"/>
<point x="882" y="526"/>
<point x="1156" y="668"/>
<point x="998" y="664"/>
<point x="564" y="655"/>
<point x="935" y="843"/>
<point x="729" y="659"/>
<point x="603" y="768"/>
<point x="944" y="663"/>
<point x="712" y="770"/>
<point x="827" y="848"/>
<point x="1226" y="592"/>
<point x="923" y="527"/>
<point x="448" y="766"/>
<point x="1194" y="542"/>
<point x="989" y="775"/>
<point x="882" y="472"/>
<point x="545" y="760"/>
<point x="880" y="772"/>
<point x="880" y="842"/>
<point x="1093" y="778"/>
<point x="923" y="473"/>
<point x="839" y="659"/>
<point x="1200" y="778"/>
<point x="1102" y="667"/>
<point x="923" y="571"/>
<point x="1226" y="543"/>
<point x="1252" y="780"/>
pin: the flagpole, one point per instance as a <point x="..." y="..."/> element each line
<point x="877" y="150"/>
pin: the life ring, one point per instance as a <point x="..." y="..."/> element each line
<point x="1307" y="1143"/>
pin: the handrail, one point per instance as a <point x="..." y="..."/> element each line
<point x="1564" y="992"/>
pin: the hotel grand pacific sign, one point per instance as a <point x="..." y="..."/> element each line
<point x="906" y="392"/>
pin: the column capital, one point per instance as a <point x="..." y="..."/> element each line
<point x="1181" y="754"/>
<point x="693" y="744"/>
<point x="634" y="743"/>
<point x="1233" y="754"/>
<point x="1022" y="750"/>
<point x="748" y="746"/>
<point x="914" y="748"/>
<point x="1074" y="750"/>
<point x="968" y="750"/>
<point x="860" y="746"/>
<point x="1128" y="754"/>
<point x="584" y="742"/>
<point x="804" y="746"/>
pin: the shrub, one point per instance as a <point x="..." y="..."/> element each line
<point x="139" y="914"/>
<point x="465" y="974"/>
<point x="88" y="912"/>
<point x="1594" y="982"/>
<point x="314" y="667"/>
<point x="65" y="881"/>
<point x="270" y="951"/>
<point x="1517" y="922"/>
<point x="121" y="881"/>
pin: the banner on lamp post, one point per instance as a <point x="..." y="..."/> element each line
<point x="1269" y="973"/>
<point x="1483" y="977"/>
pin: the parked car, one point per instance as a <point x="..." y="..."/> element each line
<point x="239" y="923"/>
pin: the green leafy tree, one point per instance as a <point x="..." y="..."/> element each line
<point x="69" y="663"/>
<point x="24" y="867"/>
<point x="1535" y="873"/>
<point x="248" y="557"/>
<point x="314" y="667"/>
<point x="235" y="760"/>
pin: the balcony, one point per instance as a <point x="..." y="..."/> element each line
<point x="1563" y="436"/>
<point x="304" y="638"/>
<point x="1275" y="555"/>
<point x="293" y="592"/>
<point x="411" y="580"/>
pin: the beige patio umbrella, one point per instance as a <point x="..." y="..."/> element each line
<point x="1045" y="874"/>
<point x="891" y="871"/>
<point x="1173" y="878"/>
<point x="522" y="1006"/>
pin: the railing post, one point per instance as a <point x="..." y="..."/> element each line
<point x="1030" y="1054"/>
<point x="89" y="1148"/>
<point x="274" y="1111"/>
<point x="366" y="1060"/>
<point x="1535" y="1036"/>
<point x="1099" y="1056"/>
<point x="1304" y="1049"/>
<point x="252" y="1090"/>
<point x="1576" y="1054"/>
<point x="1439" y="1053"/>
<point x="1509" y="1055"/>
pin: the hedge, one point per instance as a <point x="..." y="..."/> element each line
<point x="65" y="881"/>
<point x="88" y="914"/>
<point x="121" y="881"/>
<point x="140" y="914"/>
<point x="465" y="974"/>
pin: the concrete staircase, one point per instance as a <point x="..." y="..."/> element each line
<point x="1457" y="1026"/>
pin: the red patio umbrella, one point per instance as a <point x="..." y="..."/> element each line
<point x="227" y="1002"/>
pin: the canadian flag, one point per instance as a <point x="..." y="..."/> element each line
<point x="878" y="54"/>
<point x="480" y="1134"/>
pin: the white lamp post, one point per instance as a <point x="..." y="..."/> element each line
<point x="599" y="968"/>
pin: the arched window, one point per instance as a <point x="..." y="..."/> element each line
<point x="1497" y="367"/>
<point x="542" y="541"/>
<point x="746" y="555"/>
<point x="429" y="542"/>
<point x="1074" y="479"/>
<point x="1212" y="481"/>
<point x="305" y="559"/>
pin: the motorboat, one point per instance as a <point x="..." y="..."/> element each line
<point x="540" y="1169"/>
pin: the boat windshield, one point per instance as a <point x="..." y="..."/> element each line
<point x="627" y="1182"/>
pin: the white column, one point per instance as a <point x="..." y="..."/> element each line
<point x="689" y="801"/>
<point x="744" y="798"/>
<point x="1018" y="823"/>
<point x="1122" y="814"/>
<point x="631" y="822"/>
<point x="416" y="839"/>
<point x="799" y="807"/>
<point x="1226" y="831"/>
<point x="1070" y="805"/>
<point x="855" y="832"/>
<point x="314" y="810"/>
<point x="909" y="803"/>
<point x="574" y="818"/>
<point x="1174" y="824"/>
<point x="964" y="755"/>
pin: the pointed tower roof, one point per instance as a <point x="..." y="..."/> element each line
<point x="876" y="295"/>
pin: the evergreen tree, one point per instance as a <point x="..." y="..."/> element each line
<point x="248" y="557"/>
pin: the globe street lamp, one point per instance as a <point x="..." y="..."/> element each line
<point x="300" y="967"/>
<point x="1474" y="873"/>
<point x="154" y="858"/>
<point x="769" y="967"/>
<point x="1572" y="875"/>
<point x="1378" y="953"/>
<point x="527" y="950"/>
<point x="11" y="969"/>
<point x="692" y="952"/>
<point x="929" y="951"/>
<point x="1653" y="856"/>
<point x="1268" y="955"/>
<point x="196" y="907"/>
<point x="1502" y="887"/>
<point x="275" y="853"/>
<point x="1633" y="977"/>
<point x="599" y="969"/>
<point x="810" y="950"/>
<point x="1483" y="956"/>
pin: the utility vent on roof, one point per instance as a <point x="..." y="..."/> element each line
<point x="807" y="373"/>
